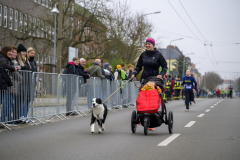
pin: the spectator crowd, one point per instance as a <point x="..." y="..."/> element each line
<point x="15" y="94"/>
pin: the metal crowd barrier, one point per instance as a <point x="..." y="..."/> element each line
<point x="44" y="95"/>
<point x="37" y="96"/>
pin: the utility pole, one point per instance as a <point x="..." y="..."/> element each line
<point x="59" y="40"/>
<point x="205" y="80"/>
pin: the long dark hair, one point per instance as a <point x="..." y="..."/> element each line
<point x="6" y="49"/>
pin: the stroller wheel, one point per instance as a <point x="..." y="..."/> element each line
<point x="146" y="122"/>
<point x="170" y="122"/>
<point x="134" y="121"/>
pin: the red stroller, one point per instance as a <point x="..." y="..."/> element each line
<point x="151" y="110"/>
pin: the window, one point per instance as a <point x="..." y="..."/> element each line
<point x="38" y="28"/>
<point x="46" y="30"/>
<point x="30" y="26"/>
<point x="35" y="1"/>
<point x="49" y="32"/>
<point x="173" y="63"/>
<point x="21" y="22"/>
<point x="71" y="22"/>
<point x="83" y="49"/>
<point x="16" y="20"/>
<point x="39" y="1"/>
<point x="0" y="15"/>
<point x="5" y="16"/>
<point x="50" y="4"/>
<point x="11" y="18"/>
<point x="64" y="6"/>
<point x="46" y="3"/>
<point x="42" y="29"/>
<point x="72" y="8"/>
<point x="43" y="2"/>
<point x="25" y="22"/>
<point x="34" y="27"/>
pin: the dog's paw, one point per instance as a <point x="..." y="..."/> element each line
<point x="103" y="129"/>
<point x="92" y="132"/>
<point x="99" y="131"/>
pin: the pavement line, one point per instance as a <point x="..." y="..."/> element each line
<point x="207" y="110"/>
<point x="215" y="104"/>
<point x="212" y="107"/>
<point x="190" y="124"/>
<point x="200" y="115"/>
<point x="168" y="140"/>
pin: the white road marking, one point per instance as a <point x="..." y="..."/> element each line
<point x="190" y="124"/>
<point x="212" y="107"/>
<point x="200" y="115"/>
<point x="207" y="110"/>
<point x="215" y="104"/>
<point x="168" y="140"/>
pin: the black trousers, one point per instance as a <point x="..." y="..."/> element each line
<point x="189" y="96"/>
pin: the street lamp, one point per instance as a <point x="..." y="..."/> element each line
<point x="55" y="12"/>
<point x="151" y="13"/>
<point x="170" y="51"/>
<point x="142" y="19"/>
<point x="184" y="62"/>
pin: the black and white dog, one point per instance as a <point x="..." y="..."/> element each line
<point x="99" y="113"/>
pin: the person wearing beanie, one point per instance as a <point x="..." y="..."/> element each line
<point x="108" y="73"/>
<point x="119" y="74"/>
<point x="151" y="59"/>
<point x="23" y="62"/>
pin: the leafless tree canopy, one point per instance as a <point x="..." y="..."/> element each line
<point x="96" y="28"/>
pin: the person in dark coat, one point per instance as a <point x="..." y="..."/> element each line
<point x="5" y="63"/>
<point x="84" y="74"/>
<point x="151" y="60"/>
<point x="5" y="59"/>
<point x="71" y="84"/>
<point x="22" y="58"/>
<point x="24" y="87"/>
<point x="108" y="73"/>
<point x="102" y="64"/>
<point x="30" y="57"/>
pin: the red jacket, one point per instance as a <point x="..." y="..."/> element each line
<point x="218" y="91"/>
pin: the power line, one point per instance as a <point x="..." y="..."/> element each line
<point x="192" y="21"/>
<point x="227" y="62"/>
<point x="183" y="21"/>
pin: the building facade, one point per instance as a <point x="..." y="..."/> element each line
<point x="31" y="23"/>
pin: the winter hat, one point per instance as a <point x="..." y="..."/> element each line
<point x="21" y="48"/>
<point x="118" y="66"/>
<point x="106" y="65"/>
<point x="151" y="40"/>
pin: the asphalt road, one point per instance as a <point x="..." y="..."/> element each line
<point x="215" y="135"/>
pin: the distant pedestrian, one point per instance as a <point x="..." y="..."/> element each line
<point x="230" y="91"/>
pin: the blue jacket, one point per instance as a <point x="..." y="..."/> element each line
<point x="188" y="82"/>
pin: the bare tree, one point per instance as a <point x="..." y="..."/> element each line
<point x="212" y="80"/>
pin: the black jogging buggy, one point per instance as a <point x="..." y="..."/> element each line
<point x="151" y="112"/>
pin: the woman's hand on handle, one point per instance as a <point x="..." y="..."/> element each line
<point x="159" y="76"/>
<point x="133" y="76"/>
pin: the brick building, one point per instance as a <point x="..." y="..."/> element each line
<point x="31" y="23"/>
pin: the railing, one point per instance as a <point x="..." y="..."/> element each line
<point x="39" y="96"/>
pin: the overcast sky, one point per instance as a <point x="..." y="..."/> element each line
<point x="217" y="20"/>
